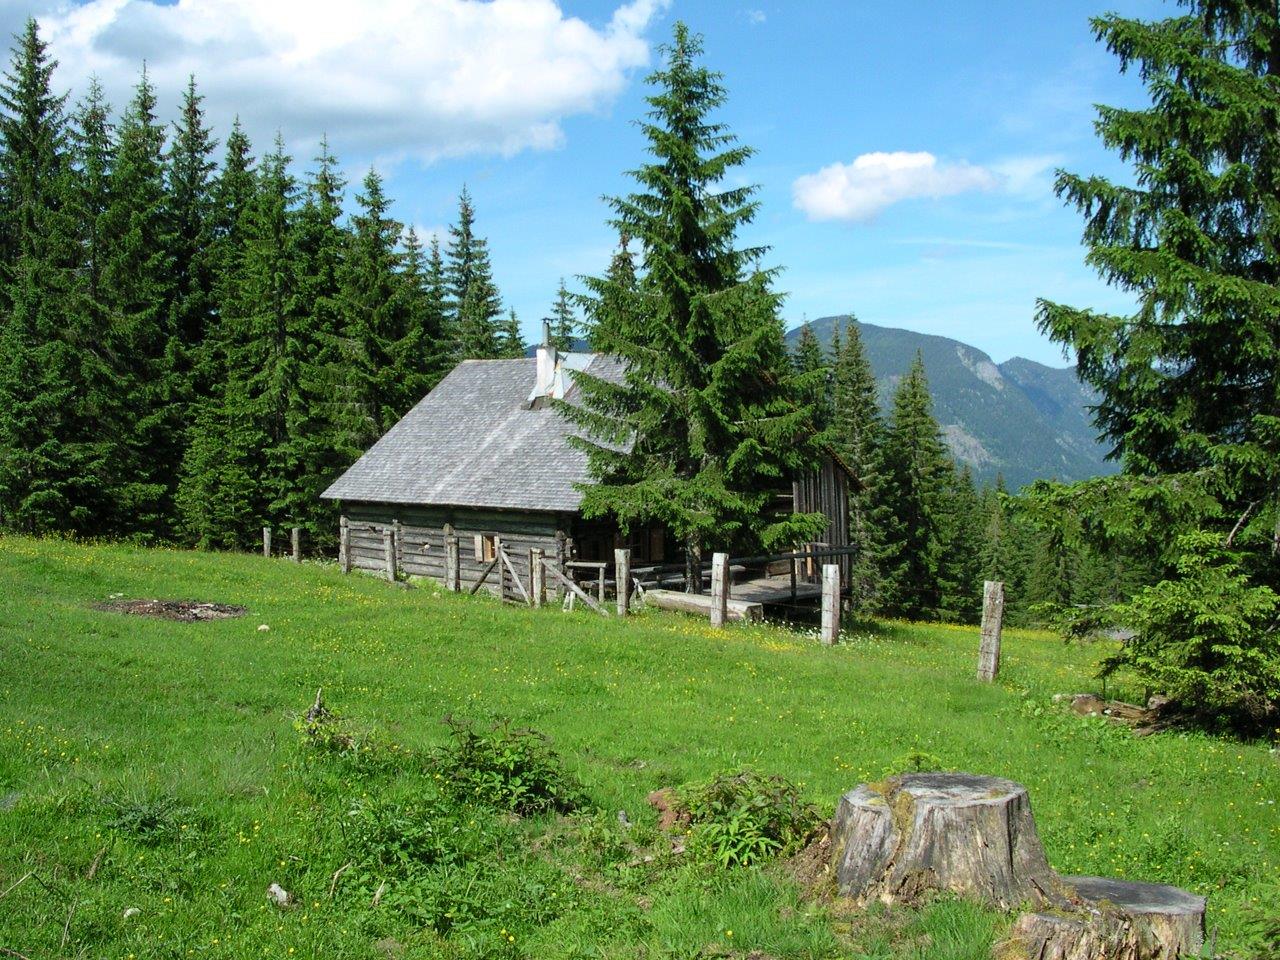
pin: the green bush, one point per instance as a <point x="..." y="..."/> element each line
<point x="512" y="768"/>
<point x="739" y="819"/>
<point x="1207" y="638"/>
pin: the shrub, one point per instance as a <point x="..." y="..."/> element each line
<point x="1206" y="638"/>
<point x="512" y="768"/>
<point x="328" y="733"/>
<point x="150" y="821"/>
<point x="739" y="819"/>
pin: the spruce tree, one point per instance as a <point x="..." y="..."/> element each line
<point x="564" y="323"/>
<point x="813" y="375"/>
<point x="613" y="299"/>
<point x="190" y="201"/>
<point x="50" y="457"/>
<point x="316" y="447"/>
<point x="914" y="511"/>
<point x="232" y="192"/>
<point x="709" y="420"/>
<point x="376" y="310"/>
<point x="511" y="339"/>
<point x="474" y="304"/>
<point x="961" y="574"/>
<point x="428" y="343"/>
<point x="138" y="289"/>
<point x="856" y="437"/>
<point x="1188" y="381"/>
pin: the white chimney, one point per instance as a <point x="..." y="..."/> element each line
<point x="548" y="383"/>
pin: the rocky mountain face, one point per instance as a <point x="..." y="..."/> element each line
<point x="1019" y="419"/>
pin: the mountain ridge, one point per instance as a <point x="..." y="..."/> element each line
<point x="1020" y="419"/>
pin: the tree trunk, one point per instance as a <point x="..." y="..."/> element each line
<point x="1115" y="919"/>
<point x="970" y="835"/>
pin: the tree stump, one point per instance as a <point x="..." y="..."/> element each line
<point x="958" y="832"/>
<point x="1116" y="919"/>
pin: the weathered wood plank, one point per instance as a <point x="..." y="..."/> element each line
<point x="574" y="589"/>
<point x="719" y="588"/>
<point x="266" y="542"/>
<point x="992" y="624"/>
<point x="830" y="603"/>
<point x="622" y="577"/>
<point x="700" y="604"/>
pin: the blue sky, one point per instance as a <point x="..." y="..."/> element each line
<point x="959" y="112"/>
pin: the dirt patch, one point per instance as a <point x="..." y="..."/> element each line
<point x="184" y="611"/>
<point x="811" y="869"/>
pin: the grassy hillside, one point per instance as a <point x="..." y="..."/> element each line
<point x="1020" y="419"/>
<point x="155" y="766"/>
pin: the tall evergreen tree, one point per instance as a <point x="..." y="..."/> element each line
<point x="317" y="444"/>
<point x="711" y="419"/>
<point x="511" y="339"/>
<point x="428" y="342"/>
<point x="232" y="193"/>
<point x="49" y="464"/>
<point x="614" y="299"/>
<point x="1189" y="383"/>
<point x="190" y="202"/>
<point x="474" y="303"/>
<point x="376" y="308"/>
<point x="138" y="285"/>
<point x="961" y="574"/>
<point x="855" y="436"/>
<point x="564" y="323"/>
<point x="813" y="375"/>
<point x="914" y="511"/>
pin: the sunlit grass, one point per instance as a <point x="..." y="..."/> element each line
<point x="99" y="709"/>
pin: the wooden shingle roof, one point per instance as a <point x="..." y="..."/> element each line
<point x="475" y="441"/>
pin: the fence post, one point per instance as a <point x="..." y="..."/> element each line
<point x="830" y="603"/>
<point x="296" y="535"/>
<point x="266" y="542"/>
<point x="344" y="543"/>
<point x="537" y="577"/>
<point x="992" y="623"/>
<point x="719" y="588"/>
<point x="389" y="551"/>
<point x="398" y="529"/>
<point x="622" y="576"/>
<point x="451" y="566"/>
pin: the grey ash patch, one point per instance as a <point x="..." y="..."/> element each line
<point x="183" y="611"/>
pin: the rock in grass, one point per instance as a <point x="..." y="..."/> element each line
<point x="973" y="836"/>
<point x="279" y="895"/>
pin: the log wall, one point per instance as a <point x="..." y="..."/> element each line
<point x="827" y="492"/>
<point x="420" y="541"/>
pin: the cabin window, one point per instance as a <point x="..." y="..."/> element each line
<point x="486" y="547"/>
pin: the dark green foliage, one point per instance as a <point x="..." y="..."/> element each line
<point x="429" y="332"/>
<point x="138" y="288"/>
<point x="709" y="395"/>
<point x="813" y="375"/>
<point x="856" y="437"/>
<point x="474" y="304"/>
<point x="511" y="340"/>
<point x="915" y="509"/>
<point x="563" y="321"/>
<point x="376" y="305"/>
<point x="1207" y="636"/>
<point x="740" y="819"/>
<point x="500" y="765"/>
<point x="1190" y="381"/>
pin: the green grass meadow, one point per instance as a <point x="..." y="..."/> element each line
<point x="154" y="768"/>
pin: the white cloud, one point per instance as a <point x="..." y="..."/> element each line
<point x="860" y="190"/>
<point x="755" y="17"/>
<point x="389" y="78"/>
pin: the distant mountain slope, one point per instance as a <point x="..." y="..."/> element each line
<point x="1020" y="419"/>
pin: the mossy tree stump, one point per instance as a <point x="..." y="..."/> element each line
<point x="1116" y="919"/>
<point x="970" y="835"/>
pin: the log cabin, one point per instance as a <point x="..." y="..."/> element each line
<point x="485" y="457"/>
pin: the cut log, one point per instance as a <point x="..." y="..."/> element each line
<point x="701" y="604"/>
<point x="1116" y="919"/>
<point x="970" y="835"/>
